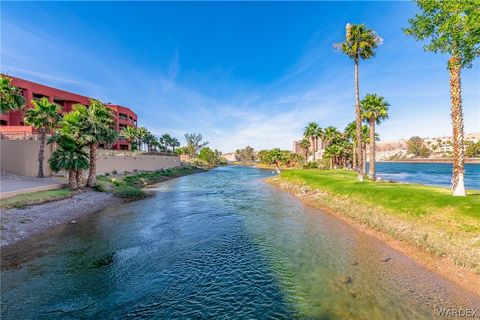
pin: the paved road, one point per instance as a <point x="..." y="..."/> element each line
<point x="11" y="182"/>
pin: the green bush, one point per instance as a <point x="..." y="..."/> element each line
<point x="200" y="163"/>
<point x="129" y="192"/>
<point x="100" y="187"/>
<point x="311" y="165"/>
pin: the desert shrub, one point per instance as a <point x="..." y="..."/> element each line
<point x="129" y="192"/>
<point x="200" y="163"/>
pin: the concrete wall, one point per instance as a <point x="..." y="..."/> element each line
<point x="140" y="162"/>
<point x="21" y="157"/>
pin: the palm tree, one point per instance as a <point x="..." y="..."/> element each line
<point x="167" y="140"/>
<point x="44" y="116"/>
<point x="452" y="28"/>
<point x="175" y="143"/>
<point x="130" y="134"/>
<point x="350" y="134"/>
<point x="331" y="135"/>
<point x="313" y="132"/>
<point x="374" y="110"/>
<point x="142" y="134"/>
<point x="10" y="97"/>
<point x="70" y="157"/>
<point x="277" y="157"/>
<point x="90" y="126"/>
<point x="305" y="146"/>
<point x="360" y="43"/>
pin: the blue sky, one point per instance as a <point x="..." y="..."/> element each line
<point x="252" y="73"/>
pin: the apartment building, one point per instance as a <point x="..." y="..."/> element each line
<point x="12" y="124"/>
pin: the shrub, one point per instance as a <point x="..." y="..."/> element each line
<point x="129" y="192"/>
<point x="100" y="187"/>
<point x="311" y="165"/>
<point x="200" y="163"/>
<point x="114" y="172"/>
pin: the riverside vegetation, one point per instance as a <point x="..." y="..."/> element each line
<point x="423" y="216"/>
<point x="130" y="185"/>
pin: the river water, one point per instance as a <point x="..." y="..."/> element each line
<point x="217" y="245"/>
<point x="434" y="174"/>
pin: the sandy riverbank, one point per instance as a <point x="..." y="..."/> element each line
<point x="18" y="224"/>
<point x="444" y="266"/>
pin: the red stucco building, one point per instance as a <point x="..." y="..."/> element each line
<point x="12" y="122"/>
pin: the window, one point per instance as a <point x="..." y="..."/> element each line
<point x="38" y="96"/>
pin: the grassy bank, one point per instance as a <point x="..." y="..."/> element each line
<point x="23" y="200"/>
<point x="130" y="185"/>
<point x="425" y="217"/>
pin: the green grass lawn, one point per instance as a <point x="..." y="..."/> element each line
<point x="23" y="200"/>
<point x="409" y="199"/>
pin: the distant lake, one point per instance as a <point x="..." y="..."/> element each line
<point x="434" y="174"/>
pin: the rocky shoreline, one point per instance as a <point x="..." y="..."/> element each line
<point x="19" y="224"/>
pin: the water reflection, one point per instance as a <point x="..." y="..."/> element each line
<point x="220" y="244"/>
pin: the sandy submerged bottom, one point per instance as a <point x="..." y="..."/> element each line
<point x="385" y="228"/>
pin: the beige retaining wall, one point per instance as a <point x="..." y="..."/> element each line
<point x="21" y="157"/>
<point x="140" y="162"/>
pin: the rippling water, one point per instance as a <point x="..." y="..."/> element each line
<point x="434" y="174"/>
<point x="217" y="245"/>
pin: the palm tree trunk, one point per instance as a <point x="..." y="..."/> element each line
<point x="458" y="186"/>
<point x="358" y="124"/>
<point x="41" y="152"/>
<point x="277" y="167"/>
<point x="354" y="160"/>
<point x="92" y="170"/>
<point x="364" y="156"/>
<point x="79" y="178"/>
<point x="313" y="147"/>
<point x="72" y="183"/>
<point x="371" y="168"/>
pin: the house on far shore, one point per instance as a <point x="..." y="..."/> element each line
<point x="13" y="127"/>
<point x="231" y="157"/>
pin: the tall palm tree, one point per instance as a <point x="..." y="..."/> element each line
<point x="10" y="97"/>
<point x="313" y="131"/>
<point x="142" y="134"/>
<point x="374" y="110"/>
<point x="360" y="43"/>
<point x="452" y="28"/>
<point x="305" y="146"/>
<point x="130" y="133"/>
<point x="90" y="126"/>
<point x="44" y="116"/>
<point x="70" y="157"/>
